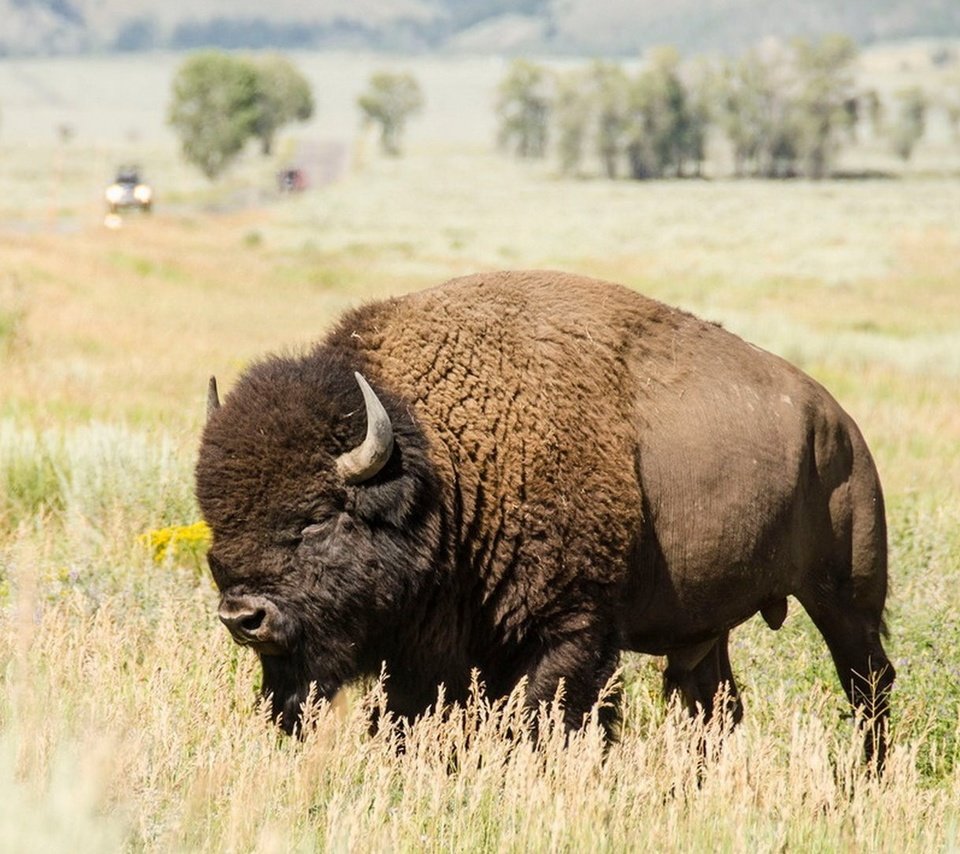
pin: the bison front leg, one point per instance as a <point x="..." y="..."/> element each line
<point x="701" y="675"/>
<point x="585" y="662"/>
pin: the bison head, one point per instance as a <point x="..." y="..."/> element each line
<point x="321" y="505"/>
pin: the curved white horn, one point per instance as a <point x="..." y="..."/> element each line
<point x="213" y="399"/>
<point x="364" y="461"/>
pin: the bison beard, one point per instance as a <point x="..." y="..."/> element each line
<point x="542" y="471"/>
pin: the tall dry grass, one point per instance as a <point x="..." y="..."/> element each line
<point x="136" y="723"/>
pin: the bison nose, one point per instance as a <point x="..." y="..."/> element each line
<point x="251" y="620"/>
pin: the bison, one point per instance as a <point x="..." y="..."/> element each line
<point x="525" y="473"/>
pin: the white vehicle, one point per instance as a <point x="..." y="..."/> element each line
<point x="128" y="191"/>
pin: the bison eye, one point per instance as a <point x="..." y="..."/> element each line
<point x="293" y="536"/>
<point x="311" y="530"/>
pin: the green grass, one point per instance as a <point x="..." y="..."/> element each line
<point x="92" y="472"/>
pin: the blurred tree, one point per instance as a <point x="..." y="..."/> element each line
<point x="283" y="96"/>
<point x="659" y="118"/>
<point x="740" y="109"/>
<point x="757" y="112"/>
<point x="910" y="123"/>
<point x="611" y="89"/>
<point x="523" y="106"/>
<point x="953" y="118"/>
<point x="701" y="90"/>
<point x="591" y="113"/>
<point x="950" y="100"/>
<point x="214" y="109"/>
<point x="873" y="107"/>
<point x="825" y="85"/>
<point x="573" y="112"/>
<point x="390" y="99"/>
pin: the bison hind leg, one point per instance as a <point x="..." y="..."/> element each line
<point x="865" y="672"/>
<point x="701" y="676"/>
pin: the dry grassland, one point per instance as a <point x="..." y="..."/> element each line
<point x="128" y="720"/>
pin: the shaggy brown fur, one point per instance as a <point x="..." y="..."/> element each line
<point x="577" y="470"/>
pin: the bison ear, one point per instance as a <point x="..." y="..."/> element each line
<point x="371" y="455"/>
<point x="213" y="398"/>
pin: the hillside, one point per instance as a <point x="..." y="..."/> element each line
<point x="549" y="26"/>
<point x="730" y="25"/>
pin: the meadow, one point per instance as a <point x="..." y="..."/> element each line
<point x="130" y="721"/>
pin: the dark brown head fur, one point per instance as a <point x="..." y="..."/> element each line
<point x="288" y="529"/>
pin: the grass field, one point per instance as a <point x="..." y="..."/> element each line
<point x="129" y="721"/>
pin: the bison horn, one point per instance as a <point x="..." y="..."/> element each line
<point x="213" y="399"/>
<point x="364" y="461"/>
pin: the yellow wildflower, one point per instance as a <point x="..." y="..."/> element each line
<point x="178" y="542"/>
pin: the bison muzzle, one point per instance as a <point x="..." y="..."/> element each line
<point x="525" y="473"/>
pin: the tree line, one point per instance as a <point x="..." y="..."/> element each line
<point x="784" y="110"/>
<point x="220" y="101"/>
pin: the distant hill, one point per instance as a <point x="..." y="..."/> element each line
<point x="504" y="26"/>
